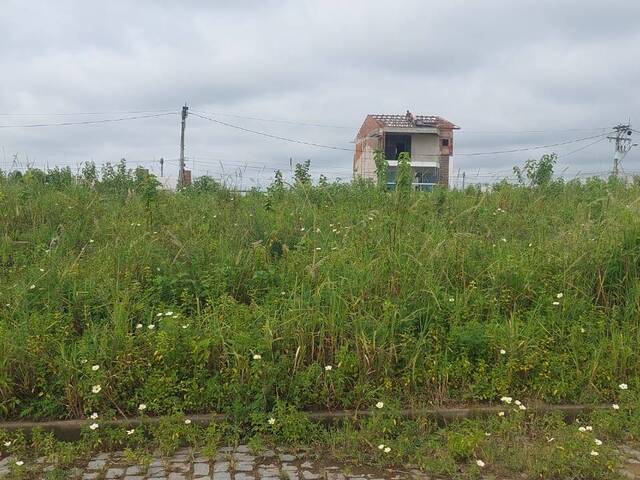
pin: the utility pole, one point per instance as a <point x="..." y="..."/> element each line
<point x="185" y="112"/>
<point x="464" y="174"/>
<point x="161" y="167"/>
<point x="622" y="143"/>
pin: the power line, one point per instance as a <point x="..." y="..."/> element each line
<point x="87" y="122"/>
<point x="333" y="147"/>
<point x="273" y="120"/>
<point x="269" y="135"/>
<point x="73" y="114"/>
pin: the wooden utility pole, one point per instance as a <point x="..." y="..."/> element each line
<point x="161" y="167"/>
<point x="185" y="112"/>
<point x="464" y="174"/>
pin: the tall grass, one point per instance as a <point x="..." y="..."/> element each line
<point x="410" y="298"/>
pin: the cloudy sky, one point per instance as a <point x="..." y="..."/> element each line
<point x="512" y="74"/>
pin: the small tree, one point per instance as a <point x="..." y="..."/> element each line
<point x="382" y="168"/>
<point x="537" y="172"/>
<point x="301" y="174"/>
<point x="404" y="178"/>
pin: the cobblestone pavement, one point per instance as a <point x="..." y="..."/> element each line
<point x="241" y="464"/>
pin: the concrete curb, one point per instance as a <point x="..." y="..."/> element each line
<point x="70" y="429"/>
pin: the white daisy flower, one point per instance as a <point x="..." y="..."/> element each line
<point x="594" y="453"/>
<point x="94" y="426"/>
<point x="387" y="449"/>
<point x="94" y="415"/>
<point x="480" y="463"/>
<point x="19" y="463"/>
<point x="95" y="368"/>
<point x="379" y="404"/>
<point x="598" y="442"/>
<point x="328" y="368"/>
<point x="142" y="407"/>
<point x="272" y="421"/>
<point x="187" y="421"/>
<point x="257" y="356"/>
<point x="623" y="386"/>
<point x="130" y="432"/>
<point x="615" y="406"/>
<point x="96" y="389"/>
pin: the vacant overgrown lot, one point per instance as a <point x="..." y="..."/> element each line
<point x="114" y="295"/>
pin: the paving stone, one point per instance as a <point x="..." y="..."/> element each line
<point x="268" y="454"/>
<point x="114" y="473"/>
<point x="265" y="471"/>
<point x="102" y="456"/>
<point x="134" y="477"/>
<point x="176" y="476"/>
<point x="291" y="475"/>
<point x="180" y="467"/>
<point x="158" y="471"/>
<point x="96" y="464"/>
<point x="243" y="449"/>
<point x="244" y="467"/>
<point x="134" y="470"/>
<point x="221" y="467"/>
<point x="289" y="467"/>
<point x="307" y="475"/>
<point x="201" y="459"/>
<point x="222" y="476"/>
<point x="201" y="469"/>
<point x="225" y="450"/>
<point x="243" y="476"/>
<point x="179" y="457"/>
<point x="335" y="476"/>
<point x="307" y="465"/>
<point x="90" y="476"/>
<point x="287" y="458"/>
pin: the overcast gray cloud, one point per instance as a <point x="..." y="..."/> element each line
<point x="493" y="66"/>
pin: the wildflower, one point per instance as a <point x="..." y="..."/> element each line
<point x="168" y="314"/>
<point x="94" y="415"/>
<point x="594" y="453"/>
<point x="185" y="326"/>
<point x="95" y="368"/>
<point x="588" y="428"/>
<point x="559" y="295"/>
<point x="32" y="287"/>
<point x="83" y="361"/>
<point x="531" y="244"/>
<point x="7" y="444"/>
<point x="556" y="303"/>
<point x="598" y="442"/>
<point x="187" y="421"/>
<point x="257" y="356"/>
<point x="582" y="429"/>
<point x="480" y="463"/>
<point x="94" y="426"/>
<point x="130" y="432"/>
<point x="42" y="269"/>
<point x="139" y="326"/>
<point x="503" y="351"/>
<point x="381" y="446"/>
<point x="272" y="421"/>
<point x="522" y="407"/>
<point x="582" y="330"/>
<point x="518" y="402"/>
<point x="151" y="327"/>
<point x="19" y="463"/>
<point x="318" y="248"/>
<point x="549" y="440"/>
<point x="91" y="240"/>
<point x="501" y="414"/>
<point x="387" y="449"/>
<point x="96" y="389"/>
<point x="615" y="406"/>
<point x="142" y="407"/>
<point x="506" y="399"/>
<point x="283" y="293"/>
<point x="504" y="240"/>
<point x="302" y="229"/>
<point x="159" y="314"/>
<point x="451" y="299"/>
<point x="328" y="368"/>
<point x="623" y="386"/>
<point x="487" y="434"/>
<point x="379" y="404"/>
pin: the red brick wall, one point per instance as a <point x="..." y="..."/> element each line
<point x="443" y="172"/>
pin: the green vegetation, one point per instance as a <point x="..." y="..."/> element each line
<point x="114" y="294"/>
<point x="172" y="295"/>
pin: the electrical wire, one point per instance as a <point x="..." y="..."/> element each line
<point x="88" y="122"/>
<point x="70" y="114"/>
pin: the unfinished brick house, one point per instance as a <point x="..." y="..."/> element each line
<point x="428" y="139"/>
